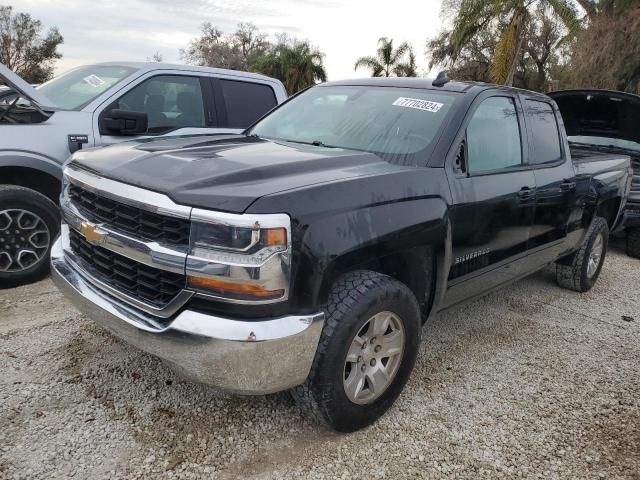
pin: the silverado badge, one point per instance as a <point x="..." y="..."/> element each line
<point x="91" y="233"/>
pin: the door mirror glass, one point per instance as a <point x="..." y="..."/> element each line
<point x="123" y="122"/>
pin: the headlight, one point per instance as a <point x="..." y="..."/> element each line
<point x="240" y="258"/>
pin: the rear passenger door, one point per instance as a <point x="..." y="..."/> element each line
<point x="557" y="211"/>
<point x="493" y="198"/>
<point x="240" y="103"/>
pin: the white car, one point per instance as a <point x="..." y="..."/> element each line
<point x="99" y="105"/>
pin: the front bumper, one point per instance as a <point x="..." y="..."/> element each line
<point x="247" y="357"/>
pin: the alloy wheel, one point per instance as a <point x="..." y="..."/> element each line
<point x="24" y="240"/>
<point x="374" y="358"/>
<point x="595" y="256"/>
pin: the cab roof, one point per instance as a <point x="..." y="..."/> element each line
<point x="151" y="66"/>
<point x="427" y="83"/>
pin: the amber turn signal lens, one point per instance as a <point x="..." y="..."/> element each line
<point x="233" y="290"/>
<point x="274" y="237"/>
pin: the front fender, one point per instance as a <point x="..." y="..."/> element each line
<point x="402" y="236"/>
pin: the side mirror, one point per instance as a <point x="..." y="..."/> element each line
<point x="124" y="122"/>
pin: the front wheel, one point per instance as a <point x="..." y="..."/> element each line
<point x="29" y="223"/>
<point x="366" y="352"/>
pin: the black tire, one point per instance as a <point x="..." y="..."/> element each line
<point x="14" y="198"/>
<point x="354" y="299"/>
<point x="633" y="242"/>
<point x="572" y="273"/>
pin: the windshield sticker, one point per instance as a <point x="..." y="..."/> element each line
<point x="418" y="104"/>
<point x="93" y="80"/>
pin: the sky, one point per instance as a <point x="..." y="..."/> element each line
<point x="111" y="30"/>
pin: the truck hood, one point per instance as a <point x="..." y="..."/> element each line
<point x="27" y="91"/>
<point x="226" y="172"/>
<point x="600" y="113"/>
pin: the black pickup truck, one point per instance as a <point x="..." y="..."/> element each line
<point x="306" y="253"/>
<point x="608" y="122"/>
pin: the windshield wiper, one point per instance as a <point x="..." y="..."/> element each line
<point x="315" y="143"/>
<point x="320" y="143"/>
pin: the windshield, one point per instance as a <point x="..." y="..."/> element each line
<point x="395" y="123"/>
<point x="76" y="88"/>
<point x="606" y="142"/>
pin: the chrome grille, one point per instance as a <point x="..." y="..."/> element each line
<point x="142" y="282"/>
<point x="140" y="223"/>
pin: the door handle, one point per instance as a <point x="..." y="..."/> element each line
<point x="567" y="186"/>
<point x="526" y="193"/>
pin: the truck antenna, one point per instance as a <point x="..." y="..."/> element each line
<point x="441" y="80"/>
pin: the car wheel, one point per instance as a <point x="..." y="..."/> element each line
<point x="366" y="352"/>
<point x="29" y="223"/>
<point x="580" y="271"/>
<point x="633" y="242"/>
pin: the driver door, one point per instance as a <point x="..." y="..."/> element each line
<point x="173" y="104"/>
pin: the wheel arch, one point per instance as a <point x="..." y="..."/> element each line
<point x="37" y="173"/>
<point x="414" y="267"/>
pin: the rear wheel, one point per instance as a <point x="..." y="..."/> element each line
<point x="581" y="270"/>
<point x="366" y="352"/>
<point x="633" y="242"/>
<point x="29" y="223"/>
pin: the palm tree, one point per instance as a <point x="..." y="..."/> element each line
<point x="408" y="68"/>
<point x="475" y="16"/>
<point x="295" y="63"/>
<point x="387" y="59"/>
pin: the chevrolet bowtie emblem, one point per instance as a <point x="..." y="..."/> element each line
<point x="91" y="233"/>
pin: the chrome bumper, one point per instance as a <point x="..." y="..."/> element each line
<point x="247" y="357"/>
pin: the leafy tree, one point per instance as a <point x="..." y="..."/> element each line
<point x="607" y="52"/>
<point x="24" y="50"/>
<point x="389" y="61"/>
<point x="514" y="18"/>
<point x="594" y="8"/>
<point x="236" y="51"/>
<point x="543" y="54"/>
<point x="408" y="68"/>
<point x="471" y="63"/>
<point x="250" y="41"/>
<point x="296" y="63"/>
<point x="212" y="49"/>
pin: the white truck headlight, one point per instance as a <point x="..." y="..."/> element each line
<point x="240" y="258"/>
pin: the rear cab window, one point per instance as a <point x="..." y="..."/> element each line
<point x="246" y="102"/>
<point x="544" y="135"/>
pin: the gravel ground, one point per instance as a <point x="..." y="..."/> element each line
<point x="532" y="381"/>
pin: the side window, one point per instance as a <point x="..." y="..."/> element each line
<point x="544" y="134"/>
<point x="246" y="102"/>
<point x="493" y="136"/>
<point x="170" y="102"/>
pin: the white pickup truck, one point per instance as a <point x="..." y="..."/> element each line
<point x="99" y="105"/>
